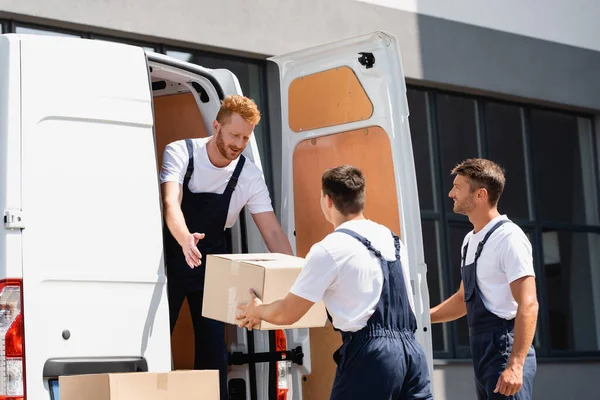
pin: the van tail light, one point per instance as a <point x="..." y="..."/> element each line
<point x="284" y="368"/>
<point x="12" y="360"/>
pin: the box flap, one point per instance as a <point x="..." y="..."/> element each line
<point x="265" y="260"/>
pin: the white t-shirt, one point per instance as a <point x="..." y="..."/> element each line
<point x="347" y="277"/>
<point x="251" y="190"/>
<point x="506" y="257"/>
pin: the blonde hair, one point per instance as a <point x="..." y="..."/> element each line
<point x="241" y="105"/>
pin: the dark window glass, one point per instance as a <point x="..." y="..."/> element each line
<point x="417" y="103"/>
<point x="39" y="31"/>
<point x="457" y="235"/>
<point x="572" y="278"/>
<point x="431" y="249"/>
<point x="505" y="144"/>
<point x="564" y="168"/>
<point x="457" y="127"/>
<point x="125" y="41"/>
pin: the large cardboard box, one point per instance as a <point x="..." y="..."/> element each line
<point x="175" y="385"/>
<point x="230" y="276"/>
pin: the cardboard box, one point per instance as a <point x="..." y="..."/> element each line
<point x="271" y="275"/>
<point x="175" y="385"/>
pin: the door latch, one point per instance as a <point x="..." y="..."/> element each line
<point x="366" y="59"/>
<point x="13" y="219"/>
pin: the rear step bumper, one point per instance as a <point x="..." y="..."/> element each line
<point x="56" y="367"/>
<point x="296" y="356"/>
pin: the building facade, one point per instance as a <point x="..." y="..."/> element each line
<point x="514" y="82"/>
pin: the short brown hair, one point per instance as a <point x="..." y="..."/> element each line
<point x="485" y="174"/>
<point x="346" y="187"/>
<point x="241" y="105"/>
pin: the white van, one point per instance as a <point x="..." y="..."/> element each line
<point x="83" y="125"/>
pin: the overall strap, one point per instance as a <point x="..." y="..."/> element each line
<point x="396" y="244"/>
<point x="236" y="174"/>
<point x="363" y="240"/>
<point x="482" y="243"/>
<point x="190" y="150"/>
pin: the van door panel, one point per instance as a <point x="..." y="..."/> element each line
<point x="313" y="156"/>
<point x="176" y="117"/>
<point x="327" y="98"/>
<point x="345" y="102"/>
<point x="92" y="248"/>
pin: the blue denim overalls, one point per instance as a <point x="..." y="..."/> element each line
<point x="204" y="213"/>
<point x="491" y="337"/>
<point x="383" y="360"/>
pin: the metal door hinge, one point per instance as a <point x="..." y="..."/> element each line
<point x="13" y="219"/>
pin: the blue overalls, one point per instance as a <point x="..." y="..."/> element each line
<point x="204" y="213"/>
<point x="383" y="360"/>
<point x="491" y="337"/>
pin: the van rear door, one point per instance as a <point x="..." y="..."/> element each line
<point x="93" y="280"/>
<point x="345" y="102"/>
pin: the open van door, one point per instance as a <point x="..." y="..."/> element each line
<point x="94" y="289"/>
<point x="345" y="102"/>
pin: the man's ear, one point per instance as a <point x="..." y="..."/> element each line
<point x="329" y="201"/>
<point x="215" y="126"/>
<point x="482" y="194"/>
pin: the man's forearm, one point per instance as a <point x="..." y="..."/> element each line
<point x="450" y="310"/>
<point x="277" y="242"/>
<point x="176" y="223"/>
<point x="274" y="313"/>
<point x="525" y="324"/>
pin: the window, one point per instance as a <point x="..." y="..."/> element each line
<point x="40" y="31"/>
<point x="505" y="142"/>
<point x="457" y="127"/>
<point x="551" y="163"/>
<point x="145" y="46"/>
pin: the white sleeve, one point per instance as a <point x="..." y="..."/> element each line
<point x="316" y="277"/>
<point x="175" y="162"/>
<point x="406" y="271"/>
<point x="516" y="258"/>
<point x="259" y="200"/>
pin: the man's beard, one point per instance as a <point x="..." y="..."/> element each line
<point x="464" y="207"/>
<point x="223" y="149"/>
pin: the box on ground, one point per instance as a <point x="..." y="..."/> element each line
<point x="175" y="385"/>
<point x="230" y="276"/>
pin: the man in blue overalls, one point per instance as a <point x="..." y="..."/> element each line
<point x="497" y="292"/>
<point x="205" y="184"/>
<point x="360" y="272"/>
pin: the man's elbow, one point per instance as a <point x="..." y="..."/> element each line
<point x="530" y="306"/>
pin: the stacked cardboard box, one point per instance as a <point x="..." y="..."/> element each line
<point x="176" y="385"/>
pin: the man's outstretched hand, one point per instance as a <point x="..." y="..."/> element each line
<point x="190" y="249"/>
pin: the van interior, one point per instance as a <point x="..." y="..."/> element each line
<point x="177" y="115"/>
<point x="179" y="106"/>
